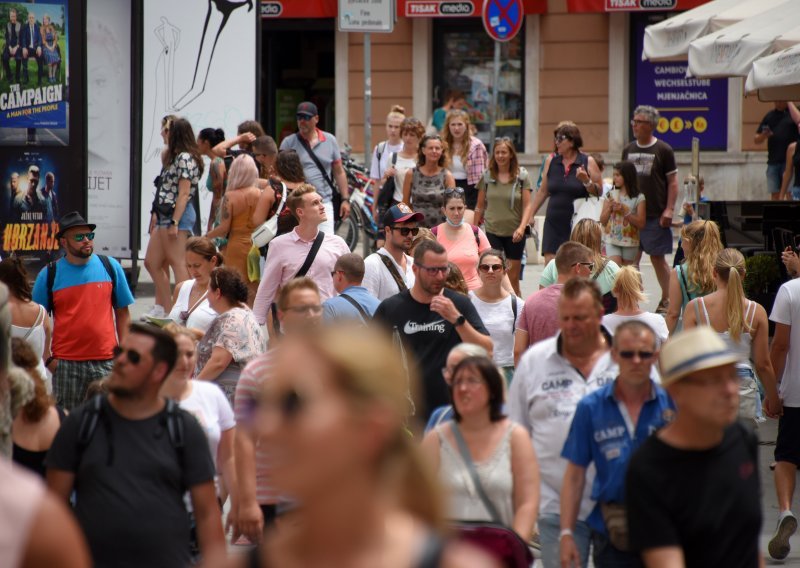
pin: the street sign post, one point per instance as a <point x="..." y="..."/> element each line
<point x="377" y="16"/>
<point x="502" y="20"/>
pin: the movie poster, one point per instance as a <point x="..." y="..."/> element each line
<point x="35" y="73"/>
<point x="33" y="200"/>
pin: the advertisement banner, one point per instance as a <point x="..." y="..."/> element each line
<point x="33" y="200"/>
<point x="33" y="87"/>
<point x="108" y="54"/>
<point x="689" y="107"/>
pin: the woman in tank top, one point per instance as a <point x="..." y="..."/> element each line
<point x="424" y="188"/>
<point x="191" y="308"/>
<point x="500" y="450"/>
<point x="744" y="327"/>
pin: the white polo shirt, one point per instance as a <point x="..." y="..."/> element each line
<point x="543" y="397"/>
<point x="379" y="281"/>
<point x="786" y="310"/>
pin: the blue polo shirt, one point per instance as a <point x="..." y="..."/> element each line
<point x="602" y="432"/>
<point x="339" y="308"/>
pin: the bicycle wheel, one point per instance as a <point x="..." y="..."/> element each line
<point x="349" y="230"/>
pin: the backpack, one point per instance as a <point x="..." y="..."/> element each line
<point x="475" y="231"/>
<point x="51" y="279"/>
<point x="94" y="413"/>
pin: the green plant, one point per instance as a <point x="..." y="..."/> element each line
<point x="761" y="272"/>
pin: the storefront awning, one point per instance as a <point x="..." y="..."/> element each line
<point x="456" y="8"/>
<point x="631" y="5"/>
<point x="777" y="76"/>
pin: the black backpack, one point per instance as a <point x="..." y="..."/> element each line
<point x="51" y="279"/>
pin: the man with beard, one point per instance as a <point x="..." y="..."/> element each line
<point x="29" y="201"/>
<point x="388" y="271"/>
<point x="130" y="458"/>
<point x="432" y="320"/>
<point x="49" y="199"/>
<point x="89" y="298"/>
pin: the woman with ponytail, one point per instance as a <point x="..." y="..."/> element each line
<point x="744" y="327"/>
<point x="701" y="243"/>
<point x="629" y="292"/>
<point x="336" y="415"/>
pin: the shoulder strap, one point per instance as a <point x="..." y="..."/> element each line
<point x="683" y="282"/>
<point x="702" y="303"/>
<point x="312" y="254"/>
<point x="600" y="270"/>
<point x="697" y="313"/>
<point x="315" y="159"/>
<point x="394" y="158"/>
<point x="476" y="480"/>
<point x="39" y="318"/>
<point x="751" y="309"/>
<point x="398" y="279"/>
<point x="86" y="429"/>
<point x="476" y="233"/>
<point x="514" y="311"/>
<point x="364" y="315"/>
<point x="435" y="230"/>
<point x="51" y="280"/>
<point x="175" y="425"/>
<point x="113" y="275"/>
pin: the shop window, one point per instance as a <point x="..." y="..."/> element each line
<point x="463" y="60"/>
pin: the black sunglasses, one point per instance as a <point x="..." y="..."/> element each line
<point x="405" y="231"/>
<point x="133" y="356"/>
<point x="492" y="267"/>
<point x="643" y="355"/>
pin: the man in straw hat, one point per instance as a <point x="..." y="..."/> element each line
<point x="692" y="489"/>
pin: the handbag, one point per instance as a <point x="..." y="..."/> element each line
<point x="269" y="228"/>
<point x="387" y="189"/>
<point x="587" y="208"/>
<point x="615" y="518"/>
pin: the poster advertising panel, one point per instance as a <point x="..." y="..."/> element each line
<point x="108" y="82"/>
<point x="688" y="106"/>
<point x="197" y="64"/>
<point x="35" y="79"/>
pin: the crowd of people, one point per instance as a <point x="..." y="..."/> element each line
<point x="275" y="397"/>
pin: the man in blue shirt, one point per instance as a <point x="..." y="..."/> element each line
<point x="354" y="301"/>
<point x="609" y="425"/>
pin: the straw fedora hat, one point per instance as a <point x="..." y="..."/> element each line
<point x="693" y="350"/>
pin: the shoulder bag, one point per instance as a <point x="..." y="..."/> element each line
<point x="387" y="189"/>
<point x="312" y="254"/>
<point x="473" y="473"/>
<point x="269" y="228"/>
<point x="361" y="311"/>
<point x="304" y="143"/>
<point x="401" y="283"/>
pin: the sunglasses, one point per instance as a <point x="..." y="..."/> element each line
<point x="561" y="138"/>
<point x="78" y="237"/>
<point x="589" y="265"/>
<point x="490" y="267"/>
<point x="303" y="117"/>
<point x="134" y="357"/>
<point x="643" y="355"/>
<point x="405" y="231"/>
<point x="314" y="309"/>
<point x="453" y="191"/>
<point x="433" y="270"/>
<point x="636" y="121"/>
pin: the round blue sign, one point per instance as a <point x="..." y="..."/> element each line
<point x="502" y="18"/>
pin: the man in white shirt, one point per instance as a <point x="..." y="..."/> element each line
<point x="388" y="271"/>
<point x="552" y="376"/>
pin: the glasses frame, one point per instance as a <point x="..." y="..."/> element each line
<point x="80" y="237"/>
<point x="630" y="354"/>
<point x="133" y="356"/>
<point x="405" y="231"/>
<point x="485" y="268"/>
<point x="433" y="270"/>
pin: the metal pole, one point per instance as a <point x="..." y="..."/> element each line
<point x="493" y="130"/>
<point x="367" y="100"/>
<point x="696" y="176"/>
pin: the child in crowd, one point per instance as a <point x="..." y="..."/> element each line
<point x="623" y="215"/>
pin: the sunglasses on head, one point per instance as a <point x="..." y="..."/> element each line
<point x="134" y="357"/>
<point x="405" y="231"/>
<point x="643" y="355"/>
<point x="492" y="267"/>
<point x="453" y="191"/>
<point x="78" y="237"/>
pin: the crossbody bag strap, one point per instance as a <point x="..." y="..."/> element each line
<point x="476" y="480"/>
<point x="514" y="311"/>
<point x="312" y="254"/>
<point x="307" y="147"/>
<point x="39" y="318"/>
<point x="357" y="306"/>
<point x="401" y="284"/>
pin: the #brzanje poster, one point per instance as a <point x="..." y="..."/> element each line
<point x="33" y="85"/>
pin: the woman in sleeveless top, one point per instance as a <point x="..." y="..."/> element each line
<point x="569" y="174"/>
<point x="424" y="188"/>
<point x="499" y="450"/>
<point x="37" y="423"/>
<point x="236" y="221"/>
<point x="191" y="308"/>
<point x="744" y="327"/>
<point x="216" y="179"/>
<point x="288" y="176"/>
<point x="694" y="277"/>
<point x="29" y="320"/>
<point x="336" y="415"/>
<point x="791" y="175"/>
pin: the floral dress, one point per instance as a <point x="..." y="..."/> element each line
<point x="238" y="333"/>
<point x="183" y="166"/>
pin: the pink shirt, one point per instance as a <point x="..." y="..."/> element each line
<point x="539" y="316"/>
<point x="286" y="256"/>
<point x="464" y="252"/>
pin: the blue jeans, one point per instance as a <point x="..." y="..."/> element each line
<point x="549" y="527"/>
<point x="775" y="177"/>
<point x="185" y="224"/>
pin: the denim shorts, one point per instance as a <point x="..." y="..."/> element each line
<point x="654" y="239"/>
<point x="775" y="177"/>
<point x="185" y="224"/>
<point x="796" y="193"/>
<point x="626" y="253"/>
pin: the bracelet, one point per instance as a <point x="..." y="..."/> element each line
<point x="563" y="533"/>
<point x="345" y="200"/>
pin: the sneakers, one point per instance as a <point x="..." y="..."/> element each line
<point x="779" y="545"/>
<point x="662" y="308"/>
<point x="155" y="312"/>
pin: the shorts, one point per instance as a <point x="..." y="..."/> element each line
<point x="185" y="224"/>
<point x="775" y="177"/>
<point x="796" y="193"/>
<point x="626" y="253"/>
<point x="654" y="239"/>
<point x="787" y="445"/>
<point x="470" y="193"/>
<point x="512" y="250"/>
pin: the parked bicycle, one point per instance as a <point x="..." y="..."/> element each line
<point x="360" y="225"/>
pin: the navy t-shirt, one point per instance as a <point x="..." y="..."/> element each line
<point x="784" y="132"/>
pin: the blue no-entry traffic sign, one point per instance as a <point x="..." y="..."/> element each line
<point x="502" y="18"/>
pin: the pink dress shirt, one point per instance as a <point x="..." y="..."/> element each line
<point x="286" y="255"/>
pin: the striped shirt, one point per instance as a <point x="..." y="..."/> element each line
<point x="244" y="407"/>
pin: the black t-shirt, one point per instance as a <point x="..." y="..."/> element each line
<point x="653" y="164"/>
<point x="784" y="132"/>
<point x="706" y="502"/>
<point x="132" y="510"/>
<point x="429" y="337"/>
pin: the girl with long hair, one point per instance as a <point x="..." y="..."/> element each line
<point x="288" y="175"/>
<point x="216" y="178"/>
<point x="424" y="188"/>
<point x="744" y="326"/>
<point x="629" y="292"/>
<point x="701" y="243"/>
<point x="467" y="159"/>
<point x="382" y="153"/>
<point x="623" y="215"/>
<point x="191" y="307"/>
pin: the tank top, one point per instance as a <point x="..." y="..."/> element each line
<point x="33" y="460"/>
<point x="35" y="336"/>
<point x="21" y="496"/>
<point x="200" y="318"/>
<point x="742" y="347"/>
<point x="495" y="476"/>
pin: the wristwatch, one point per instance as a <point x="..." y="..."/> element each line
<point x="173" y="222"/>
<point x="460" y="320"/>
<point x="345" y="200"/>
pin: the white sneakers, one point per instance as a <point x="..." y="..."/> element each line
<point x="155" y="312"/>
<point x="779" y="545"/>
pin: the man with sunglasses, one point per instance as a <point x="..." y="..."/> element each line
<point x="324" y="172"/>
<point x="388" y="271"/>
<point x="354" y="301"/>
<point x="432" y="320"/>
<point x="89" y="307"/>
<point x="609" y="425"/>
<point x="131" y="471"/>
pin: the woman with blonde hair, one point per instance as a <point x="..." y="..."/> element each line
<point x="382" y="154"/>
<point x="336" y="414"/>
<point x="744" y="327"/>
<point x="629" y="292"/>
<point x="693" y="278"/>
<point x="468" y="158"/>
